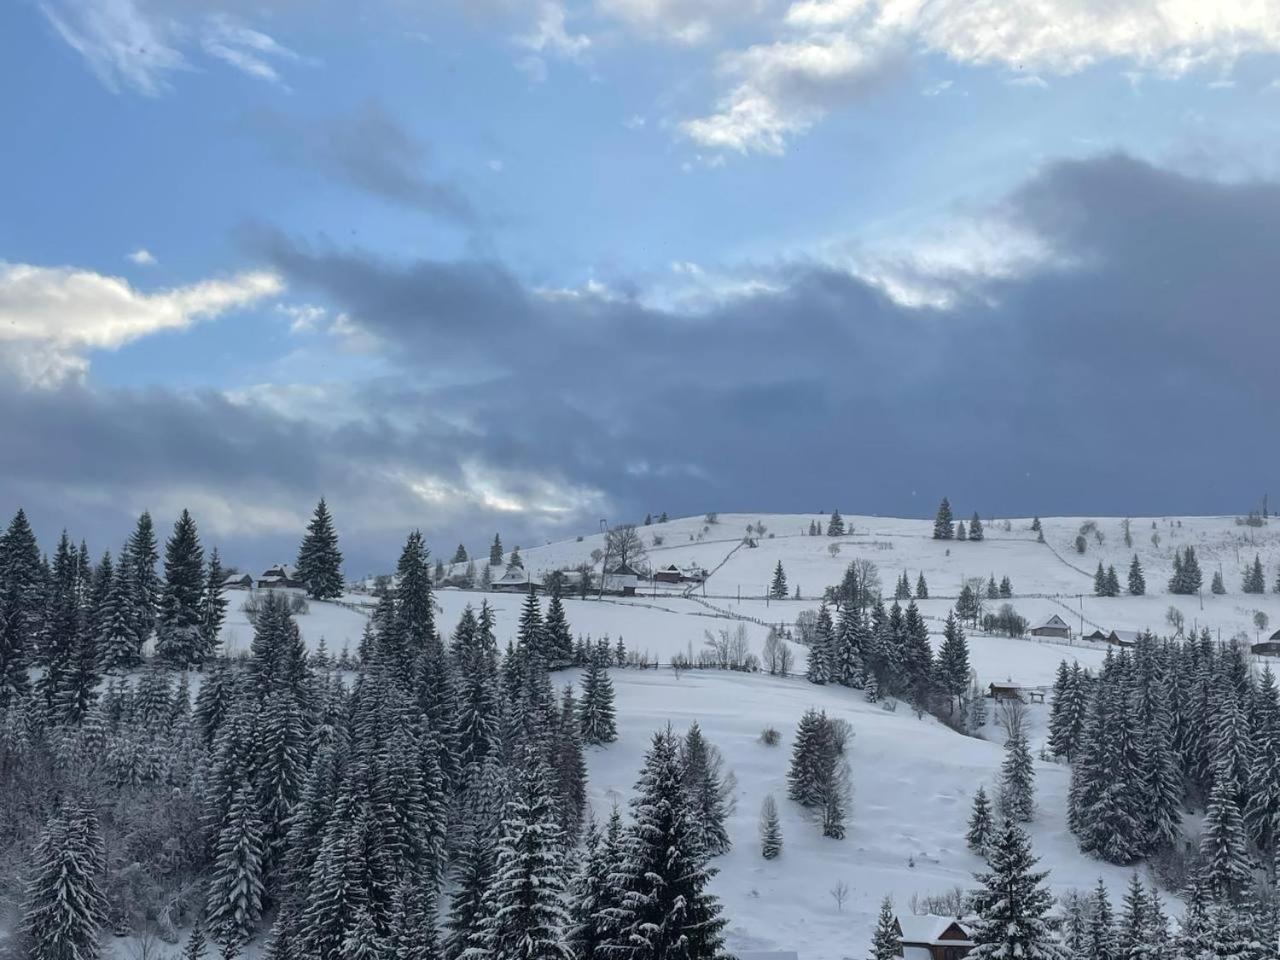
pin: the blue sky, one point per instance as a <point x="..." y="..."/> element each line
<point x="518" y="264"/>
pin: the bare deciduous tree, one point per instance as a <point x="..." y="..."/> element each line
<point x="840" y="893"/>
<point x="623" y="546"/>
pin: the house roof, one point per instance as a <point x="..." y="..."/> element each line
<point x="279" y="570"/>
<point x="237" y="578"/>
<point x="930" y="929"/>
<point x="1275" y="636"/>
<point x="514" y="575"/>
<point x="623" y="570"/>
<point x="1053" y="621"/>
<point x="1126" y="636"/>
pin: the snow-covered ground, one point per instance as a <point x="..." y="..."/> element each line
<point x="913" y="779"/>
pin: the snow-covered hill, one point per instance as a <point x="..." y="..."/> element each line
<point x="913" y="778"/>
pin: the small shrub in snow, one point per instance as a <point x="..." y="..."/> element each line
<point x="770" y="737"/>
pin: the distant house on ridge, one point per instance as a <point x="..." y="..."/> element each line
<point x="238" y="581"/>
<point x="621" y="579"/>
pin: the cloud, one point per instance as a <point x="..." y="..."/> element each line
<point x="1056" y="352"/>
<point x="783" y="88"/>
<point x="249" y="51"/>
<point x="125" y="48"/>
<point x="685" y="21"/>
<point x="136" y="45"/>
<point x="52" y="317"/>
<point x="143" y="257"/>
<point x="365" y="148"/>
<point x="829" y="52"/>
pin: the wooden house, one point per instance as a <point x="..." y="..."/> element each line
<point x="1055" y="626"/>
<point x="622" y="579"/>
<point x="668" y="574"/>
<point x="1269" y="647"/>
<point x="238" y="581"/>
<point x="280" y="577"/>
<point x="933" y="938"/>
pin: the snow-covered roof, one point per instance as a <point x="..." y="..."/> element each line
<point x="928" y="929"/>
<point x="514" y="575"/>
<point x="236" y="578"/>
<point x="623" y="570"/>
<point x="1126" y="636"/>
<point x="1053" y="621"/>
<point x="283" y="570"/>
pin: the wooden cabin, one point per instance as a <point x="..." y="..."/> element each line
<point x="933" y="938"/>
<point x="1055" y="626"/>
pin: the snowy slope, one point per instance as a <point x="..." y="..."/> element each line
<point x="913" y="779"/>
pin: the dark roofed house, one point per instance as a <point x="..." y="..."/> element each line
<point x="622" y="579"/>
<point x="1004" y="691"/>
<point x="668" y="574"/>
<point x="1055" y="626"/>
<point x="515" y="580"/>
<point x="1098" y="636"/>
<point x="1269" y="647"/>
<point x="281" y="576"/>
<point x="933" y="938"/>
<point x="237" y="581"/>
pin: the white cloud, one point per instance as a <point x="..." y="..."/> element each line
<point x="550" y="34"/>
<point x="685" y="21"/>
<point x="784" y="88"/>
<point x="249" y="51"/>
<point x="303" y="317"/>
<point x="143" y="257"/>
<point x="1032" y="80"/>
<point x="938" y="88"/>
<point x="123" y="47"/>
<point x="828" y="50"/>
<point x="51" y="317"/>
<point x="128" y="45"/>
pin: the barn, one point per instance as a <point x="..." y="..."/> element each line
<point x="668" y="574"/>
<point x="933" y="938"/>
<point x="1055" y="626"/>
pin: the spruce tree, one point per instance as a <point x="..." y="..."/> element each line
<point x="236" y="885"/>
<point x="595" y="710"/>
<point x="319" y="565"/>
<point x="495" y="552"/>
<point x="1006" y="588"/>
<point x="835" y="526"/>
<point x="818" y="669"/>
<point x="1216" y="585"/>
<point x="21" y="605"/>
<point x="707" y="792"/>
<point x="961" y="532"/>
<point x="975" y="527"/>
<point x="943" y="527"/>
<point x="1223" y="844"/>
<point x="1113" y="582"/>
<point x="65" y="908"/>
<point x="1254" y="579"/>
<point x="1011" y="903"/>
<point x="195" y="946"/>
<point x="1137" y="582"/>
<point x="526" y="919"/>
<point x="770" y="829"/>
<point x="953" y="660"/>
<point x="922" y="588"/>
<point x="178" y="627"/>
<point x="1017" y="780"/>
<point x="1133" y="932"/>
<point x="886" y="942"/>
<point x="1100" y="581"/>
<point x="143" y="553"/>
<point x="981" y="826"/>
<point x="558" y="638"/>
<point x="665" y="909"/>
<point x="778" y="589"/>
<point x="213" y="608"/>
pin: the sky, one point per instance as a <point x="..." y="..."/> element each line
<point x="473" y="266"/>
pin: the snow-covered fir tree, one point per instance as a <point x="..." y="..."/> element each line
<point x="665" y="909"/>
<point x="778" y="587"/>
<point x="943" y="525"/>
<point x="65" y="908"/>
<point x="319" y="565"/>
<point x="708" y="790"/>
<point x="770" y="829"/>
<point x="981" y="826"/>
<point x="178" y="626"/>
<point x="1011" y="903"/>
<point x="1137" y="581"/>
<point x="835" y="526"/>
<point x="886" y="941"/>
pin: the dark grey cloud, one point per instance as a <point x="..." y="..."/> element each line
<point x="368" y="149"/>
<point x="1130" y="375"/>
